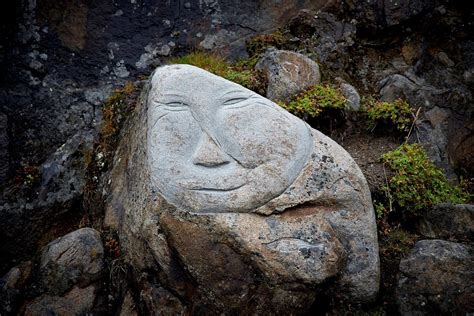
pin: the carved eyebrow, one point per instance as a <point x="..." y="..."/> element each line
<point x="170" y="98"/>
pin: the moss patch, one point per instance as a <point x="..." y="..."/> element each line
<point x="397" y="114"/>
<point x="417" y="183"/>
<point x="312" y="102"/>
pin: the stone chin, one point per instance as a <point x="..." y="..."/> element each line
<point x="214" y="146"/>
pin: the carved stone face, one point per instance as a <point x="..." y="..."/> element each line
<point x="214" y="146"/>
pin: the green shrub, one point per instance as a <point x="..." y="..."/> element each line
<point x="417" y="183"/>
<point x="397" y="113"/>
<point x="241" y="72"/>
<point x="313" y="101"/>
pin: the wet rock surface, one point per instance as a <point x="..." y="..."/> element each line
<point x="437" y="277"/>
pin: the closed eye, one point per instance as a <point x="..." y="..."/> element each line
<point x="172" y="106"/>
<point x="238" y="102"/>
<point x="234" y="100"/>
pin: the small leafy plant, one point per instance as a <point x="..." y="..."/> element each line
<point x="310" y="103"/>
<point x="417" y="183"/>
<point x="397" y="113"/>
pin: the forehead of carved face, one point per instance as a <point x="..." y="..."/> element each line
<point x="214" y="146"/>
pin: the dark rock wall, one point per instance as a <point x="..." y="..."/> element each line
<point x="60" y="59"/>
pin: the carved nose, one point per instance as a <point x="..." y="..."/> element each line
<point x="208" y="154"/>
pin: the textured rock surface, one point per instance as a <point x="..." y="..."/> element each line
<point x="78" y="301"/>
<point x="287" y="73"/>
<point x="76" y="258"/>
<point x="4" y="149"/>
<point x="12" y="286"/>
<point x="328" y="39"/>
<point x="56" y="52"/>
<point x="351" y="94"/>
<point x="272" y="254"/>
<point x="158" y="301"/>
<point x="449" y="221"/>
<point x="57" y="187"/>
<point x="437" y="277"/>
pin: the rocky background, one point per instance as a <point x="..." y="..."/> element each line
<point x="62" y="60"/>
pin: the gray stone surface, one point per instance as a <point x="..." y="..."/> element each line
<point x="4" y="149"/>
<point x="12" y="286"/>
<point x="160" y="302"/>
<point x="445" y="221"/>
<point x="328" y="38"/>
<point x="270" y="250"/>
<point x="78" y="301"/>
<point x="287" y="73"/>
<point x="351" y="94"/>
<point x="128" y="307"/>
<point x="436" y="278"/>
<point x="58" y="188"/>
<point x="76" y="258"/>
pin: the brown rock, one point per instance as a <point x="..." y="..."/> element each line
<point x="76" y="302"/>
<point x="287" y="73"/>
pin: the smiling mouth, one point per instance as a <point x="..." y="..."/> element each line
<point x="217" y="190"/>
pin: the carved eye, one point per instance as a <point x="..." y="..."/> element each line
<point x="238" y="102"/>
<point x="234" y="100"/>
<point x="172" y="106"/>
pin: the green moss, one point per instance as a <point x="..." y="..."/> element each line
<point x="241" y="72"/>
<point x="417" y="183"/>
<point x="397" y="113"/>
<point x="315" y="100"/>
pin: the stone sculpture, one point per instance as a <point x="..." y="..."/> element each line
<point x="218" y="189"/>
<point x="216" y="147"/>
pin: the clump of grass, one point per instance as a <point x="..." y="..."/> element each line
<point x="241" y="72"/>
<point x="312" y="102"/>
<point x="398" y="114"/>
<point x="210" y="62"/>
<point x="417" y="183"/>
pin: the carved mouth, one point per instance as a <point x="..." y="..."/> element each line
<point x="217" y="190"/>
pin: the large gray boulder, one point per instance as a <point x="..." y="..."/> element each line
<point x="436" y="278"/>
<point x="237" y="205"/>
<point x="287" y="73"/>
